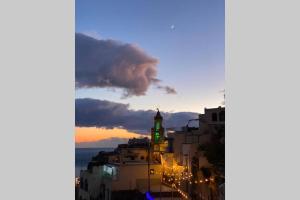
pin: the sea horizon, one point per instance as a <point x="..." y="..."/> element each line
<point x="84" y="155"/>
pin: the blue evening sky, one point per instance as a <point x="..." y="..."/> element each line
<point x="191" y="55"/>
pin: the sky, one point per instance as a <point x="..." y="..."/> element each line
<point x="135" y="56"/>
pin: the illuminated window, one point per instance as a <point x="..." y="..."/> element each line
<point x="151" y="171"/>
<point x="156" y="132"/>
<point x="157" y="126"/>
<point x="156" y="137"/>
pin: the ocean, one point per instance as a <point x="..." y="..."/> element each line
<point x="84" y="155"/>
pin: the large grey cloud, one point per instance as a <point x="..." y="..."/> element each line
<point x="100" y="113"/>
<point x="110" y="63"/>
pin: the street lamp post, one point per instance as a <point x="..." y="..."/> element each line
<point x="149" y="167"/>
<point x="172" y="178"/>
<point x="161" y="176"/>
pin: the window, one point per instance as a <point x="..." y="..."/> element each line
<point x="102" y="189"/>
<point x="86" y="185"/>
<point x="222" y="116"/>
<point x="151" y="171"/>
<point x="81" y="182"/>
<point x="107" y="193"/>
<point x="157" y="126"/>
<point x="214" y="117"/>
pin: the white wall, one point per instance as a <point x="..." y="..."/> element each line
<point x="133" y="176"/>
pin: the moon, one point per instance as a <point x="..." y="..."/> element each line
<point x="172" y="27"/>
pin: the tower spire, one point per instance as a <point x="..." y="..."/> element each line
<point x="158" y="116"/>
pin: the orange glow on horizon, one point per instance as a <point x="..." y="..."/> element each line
<point x="93" y="134"/>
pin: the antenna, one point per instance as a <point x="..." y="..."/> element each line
<point x="224" y="98"/>
<point x="223" y="102"/>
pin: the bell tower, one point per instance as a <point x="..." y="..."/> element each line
<point x="157" y="134"/>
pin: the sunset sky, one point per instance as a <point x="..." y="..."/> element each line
<point x="135" y="56"/>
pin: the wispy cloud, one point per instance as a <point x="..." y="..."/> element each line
<point x="93" y="34"/>
<point x="167" y="89"/>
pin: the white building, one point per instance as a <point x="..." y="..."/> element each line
<point x="136" y="167"/>
<point x="187" y="143"/>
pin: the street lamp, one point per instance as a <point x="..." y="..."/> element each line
<point x="148" y="166"/>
